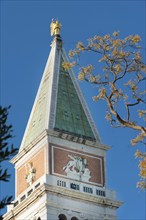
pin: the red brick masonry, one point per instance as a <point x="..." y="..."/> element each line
<point x="38" y="165"/>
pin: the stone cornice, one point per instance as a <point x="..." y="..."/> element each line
<point x="76" y="139"/>
<point x="61" y="135"/>
<point x="84" y="197"/>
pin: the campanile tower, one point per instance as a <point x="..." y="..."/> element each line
<point x="61" y="164"/>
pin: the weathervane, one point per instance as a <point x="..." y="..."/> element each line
<point x="55" y="27"/>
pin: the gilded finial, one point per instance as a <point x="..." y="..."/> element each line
<point x="55" y="27"/>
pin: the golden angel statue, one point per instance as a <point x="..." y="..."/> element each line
<point x="55" y="27"/>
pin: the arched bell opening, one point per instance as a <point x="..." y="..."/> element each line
<point x="62" y="217"/>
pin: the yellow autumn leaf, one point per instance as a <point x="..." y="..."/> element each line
<point x="118" y="68"/>
<point x="107" y="36"/>
<point x="136" y="39"/>
<point x="141" y="185"/>
<point x="115" y="52"/>
<point x="80" y="46"/>
<point x="81" y="76"/>
<point x="116" y="33"/>
<point x="92" y="79"/>
<point x="141" y="113"/>
<point x="143" y="173"/>
<point x="67" y="65"/>
<point x="71" y="53"/>
<point x="138" y="56"/>
<point x="142" y="164"/>
<point x="116" y="42"/>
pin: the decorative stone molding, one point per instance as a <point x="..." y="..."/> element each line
<point x="76" y="168"/>
<point x="31" y="172"/>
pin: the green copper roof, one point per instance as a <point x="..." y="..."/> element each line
<point x="59" y="104"/>
<point x="70" y="116"/>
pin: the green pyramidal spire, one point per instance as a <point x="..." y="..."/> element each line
<point x="59" y="105"/>
<point x="70" y="115"/>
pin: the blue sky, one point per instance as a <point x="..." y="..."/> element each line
<point x="25" y="46"/>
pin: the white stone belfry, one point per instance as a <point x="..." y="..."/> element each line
<point x="61" y="164"/>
